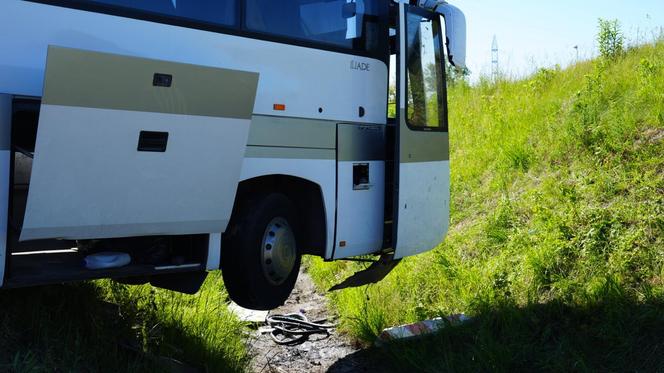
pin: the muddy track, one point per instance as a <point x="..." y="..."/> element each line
<point x="334" y="353"/>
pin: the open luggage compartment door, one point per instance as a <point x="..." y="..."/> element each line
<point x="131" y="147"/>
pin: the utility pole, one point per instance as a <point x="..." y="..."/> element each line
<point x="577" y="52"/>
<point x="494" y="59"/>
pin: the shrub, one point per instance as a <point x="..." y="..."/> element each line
<point x="610" y="39"/>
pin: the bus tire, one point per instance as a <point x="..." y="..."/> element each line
<point x="260" y="258"/>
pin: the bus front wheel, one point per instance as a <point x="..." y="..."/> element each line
<point x="260" y="259"/>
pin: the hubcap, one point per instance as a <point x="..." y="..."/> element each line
<point x="278" y="251"/>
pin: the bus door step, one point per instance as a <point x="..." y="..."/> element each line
<point x="375" y="273"/>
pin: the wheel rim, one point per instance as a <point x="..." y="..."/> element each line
<point x="278" y="251"/>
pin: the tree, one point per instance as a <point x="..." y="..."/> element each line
<point x="454" y="75"/>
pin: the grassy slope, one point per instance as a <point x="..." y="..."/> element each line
<point x="103" y="326"/>
<point x="556" y="247"/>
<point x="557" y="234"/>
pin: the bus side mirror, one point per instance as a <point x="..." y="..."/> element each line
<point x="455" y="29"/>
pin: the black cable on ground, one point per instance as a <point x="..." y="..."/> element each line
<point x="295" y="328"/>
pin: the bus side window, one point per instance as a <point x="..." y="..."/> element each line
<point x="219" y="12"/>
<point x="331" y="22"/>
<point x="275" y="17"/>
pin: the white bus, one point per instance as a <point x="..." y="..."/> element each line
<point x="153" y="141"/>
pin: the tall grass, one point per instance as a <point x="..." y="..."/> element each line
<point x="104" y="326"/>
<point x="557" y="196"/>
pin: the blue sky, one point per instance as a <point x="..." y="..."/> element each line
<point x="538" y="33"/>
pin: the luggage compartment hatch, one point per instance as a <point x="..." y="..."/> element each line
<point x="130" y="146"/>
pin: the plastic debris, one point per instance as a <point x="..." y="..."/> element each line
<point x="106" y="260"/>
<point x="420" y="328"/>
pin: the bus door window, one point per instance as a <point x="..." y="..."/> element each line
<point x="424" y="78"/>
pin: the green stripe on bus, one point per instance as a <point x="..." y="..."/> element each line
<point x="108" y="81"/>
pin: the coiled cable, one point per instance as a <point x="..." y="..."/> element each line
<point x="295" y="328"/>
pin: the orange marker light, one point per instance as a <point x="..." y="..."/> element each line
<point x="342" y="243"/>
<point x="279" y="107"/>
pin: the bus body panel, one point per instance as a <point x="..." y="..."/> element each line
<point x="360" y="190"/>
<point x="303" y="95"/>
<point x="360" y="217"/>
<point x="424" y="206"/>
<point x="304" y="80"/>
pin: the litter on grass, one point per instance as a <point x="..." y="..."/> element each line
<point x="420" y="328"/>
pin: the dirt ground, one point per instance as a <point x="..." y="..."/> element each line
<point x="335" y="353"/>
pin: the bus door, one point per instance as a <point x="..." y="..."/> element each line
<point x="422" y="173"/>
<point x="129" y="146"/>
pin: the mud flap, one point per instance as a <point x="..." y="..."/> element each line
<point x="377" y="271"/>
<point x="129" y="146"/>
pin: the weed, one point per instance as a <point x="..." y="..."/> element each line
<point x="517" y="156"/>
<point x="556" y="244"/>
<point x="541" y="79"/>
<point x="610" y="39"/>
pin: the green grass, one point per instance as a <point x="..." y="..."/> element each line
<point x="104" y="326"/>
<point x="556" y="248"/>
<point x="556" y="244"/>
